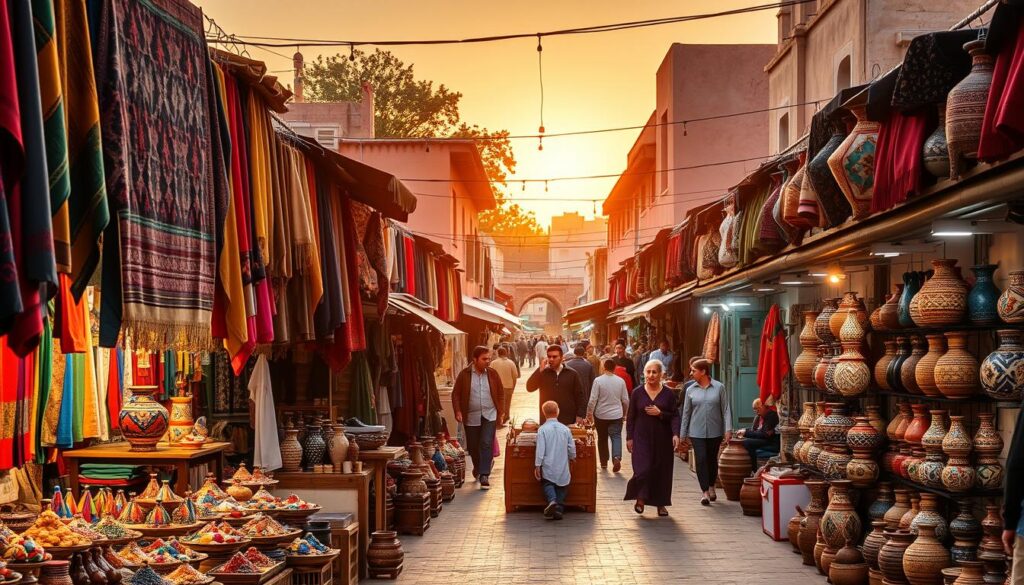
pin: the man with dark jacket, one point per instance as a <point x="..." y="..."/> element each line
<point x="561" y="384"/>
<point x="1013" y="500"/>
<point x="582" y="367"/>
<point x="521" y="350"/>
<point x="479" y="402"/>
<point x="761" y="433"/>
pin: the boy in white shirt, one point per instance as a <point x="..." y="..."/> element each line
<point x="555" y="448"/>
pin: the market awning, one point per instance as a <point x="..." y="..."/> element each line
<point x="643" y="308"/>
<point x="489" y="311"/>
<point x="411" y="306"/>
<point x="587" y="312"/>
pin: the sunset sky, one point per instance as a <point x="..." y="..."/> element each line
<point x="590" y="81"/>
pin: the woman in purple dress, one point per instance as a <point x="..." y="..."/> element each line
<point x="651" y="438"/>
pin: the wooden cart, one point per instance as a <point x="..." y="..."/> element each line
<point x="522" y="490"/>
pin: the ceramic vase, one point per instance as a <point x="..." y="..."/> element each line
<point x="957" y="442"/>
<point x="908" y="518"/>
<point x="830" y="372"/>
<point x="987" y="441"/>
<point x="883" y="501"/>
<point x="895" y="513"/>
<point x="875" y="420"/>
<point x="840" y="521"/>
<point x="339" y="446"/>
<point x="180" y="418"/>
<point x="833" y="427"/>
<point x="837" y="462"/>
<point x="291" y="450"/>
<point x="862" y="435"/>
<point x="803" y="366"/>
<point x="889" y="315"/>
<point x="806" y="420"/>
<point x="853" y="163"/>
<point x="966" y="532"/>
<point x="908" y="370"/>
<point x="983" y="298"/>
<point x="1002" y="371"/>
<point x="907" y="415"/>
<point x="894" y="423"/>
<point x="892" y="374"/>
<point x="862" y="470"/>
<point x="142" y="419"/>
<point x="988" y="473"/>
<point x="965" y="109"/>
<point x="313" y="447"/>
<point x="991" y="531"/>
<point x="876" y="318"/>
<point x="882" y="365"/>
<point x="833" y="205"/>
<point x="733" y="467"/>
<point x="1011" y="302"/>
<point x="873" y="543"/>
<point x="929" y="514"/>
<point x="918" y="425"/>
<point x="821" y="323"/>
<point x="384" y="557"/>
<point x="942" y="301"/>
<point x="848" y="567"/>
<point x="935" y="151"/>
<point x="849" y="302"/>
<point x="924" y="371"/>
<point x="930" y="470"/>
<point x="958" y="476"/>
<point x="911" y="284"/>
<point x="956" y="372"/>
<point x="931" y="440"/>
<point x="852" y="376"/>
<point x="750" y="496"/>
<point x="890" y="556"/>
<point x="925" y="558"/>
<point x="971" y="573"/>
<point x="812" y="518"/>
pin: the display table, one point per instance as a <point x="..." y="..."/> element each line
<point x="177" y="458"/>
<point x="377" y="460"/>
<point x="335" y="492"/>
<point x="523" y="490"/>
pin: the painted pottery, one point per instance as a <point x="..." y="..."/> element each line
<point x="925" y="558"/>
<point x="971" y="573"/>
<point x="924" y="371"/>
<point x="1011" y="302"/>
<point x="850" y="301"/>
<point x="142" y="419"/>
<point x="863" y="436"/>
<point x="852" y="376"/>
<point x="803" y="366"/>
<point x="1002" y="372"/>
<point x="908" y="371"/>
<point x="918" y="425"/>
<point x="733" y="466"/>
<point x="966" y="532"/>
<point x="848" y="567"/>
<point x="384" y="557"/>
<point x="911" y="284"/>
<point x="987" y="440"/>
<point x="873" y="543"/>
<point x="862" y="470"/>
<point x="821" y="323"/>
<point x="965" y="108"/>
<point x="750" y="496"/>
<point x="991" y="531"/>
<point x="958" y="476"/>
<point x="883" y="501"/>
<point x="931" y="440"/>
<point x="956" y="372"/>
<point x="935" y="151"/>
<point x="834" y="207"/>
<point x="840" y="521"/>
<point x="837" y="462"/>
<point x="180" y="418"/>
<point x="853" y="163"/>
<point x="929" y="514"/>
<point x="895" y="513"/>
<point x="890" y="556"/>
<point x="890" y="313"/>
<point x="313" y="447"/>
<point x="806" y="419"/>
<point x="942" y="301"/>
<point x="957" y="442"/>
<point x="339" y="446"/>
<point x="812" y="518"/>
<point x="833" y="427"/>
<point x="988" y="473"/>
<point x="830" y="372"/>
<point x="929" y="472"/>
<point x="983" y="298"/>
<point x="291" y="450"/>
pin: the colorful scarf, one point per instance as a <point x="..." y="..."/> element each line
<point x="160" y="175"/>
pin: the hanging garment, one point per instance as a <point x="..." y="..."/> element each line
<point x="268" y="450"/>
<point x="12" y="161"/>
<point x="773" y="359"/>
<point x="711" y="339"/>
<point x="1002" y="128"/>
<point x="157" y="139"/>
<point x="43" y="381"/>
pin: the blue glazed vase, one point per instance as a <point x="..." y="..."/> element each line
<point x="1002" y="372"/>
<point x="911" y="285"/>
<point x="984" y="296"/>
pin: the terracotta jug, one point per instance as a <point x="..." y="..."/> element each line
<point x="965" y="108"/>
<point x="925" y="558"/>
<point x="1002" y="371"/>
<point x="894" y="422"/>
<point x="931" y="440"/>
<point x="957" y="442"/>
<point x="733" y="467"/>
<point x="750" y="496"/>
<point x="991" y="528"/>
<point x="942" y="301"/>
<point x="873" y="543"/>
<point x="384" y="557"/>
<point x="908" y="371"/>
<point x="1011" y="303"/>
<point x="889" y="314"/>
<point x="890" y="557"/>
<point x="924" y="371"/>
<point x="812" y="518"/>
<point x="958" y="476"/>
<point x="971" y="573"/>
<point x="848" y="567"/>
<point x="863" y="436"/>
<point x="803" y="366"/>
<point x="793" y="529"/>
<point x="987" y="441"/>
<point x="836" y="320"/>
<point x="862" y="470"/>
<point x="896" y="512"/>
<point x="840" y="521"/>
<point x="929" y="514"/>
<point x="956" y="372"/>
<point x="918" y="425"/>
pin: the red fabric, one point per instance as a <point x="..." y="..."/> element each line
<point x="1002" y="128"/>
<point x="145" y="376"/>
<point x="773" y="361"/>
<point x="71" y="319"/>
<point x="9" y="369"/>
<point x="623" y="373"/>
<point x="410" y="265"/>
<point x="11" y="153"/>
<point x="114" y="389"/>
<point x="899" y="168"/>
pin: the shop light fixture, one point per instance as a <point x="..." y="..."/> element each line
<point x="795" y="280"/>
<point x="897" y="249"/>
<point x="764" y="290"/>
<point x="706" y="309"/>
<point x="954" y="228"/>
<point x="738" y="304"/>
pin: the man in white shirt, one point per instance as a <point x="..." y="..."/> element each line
<point x="478" y="402"/>
<point x="555" y="448"/>
<point x="541" y="349"/>
<point x="509" y="373"/>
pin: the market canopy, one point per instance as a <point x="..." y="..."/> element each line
<point x="489" y="311"/>
<point x="643" y="308"/>
<point x="587" y="312"/>
<point x="412" y="306"/>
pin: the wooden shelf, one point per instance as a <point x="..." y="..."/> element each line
<point x="969" y="327"/>
<point x="973" y="398"/>
<point x="974" y="493"/>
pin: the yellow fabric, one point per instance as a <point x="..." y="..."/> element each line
<point x="259" y="174"/>
<point x="315" y="276"/>
<point x="51" y="414"/>
<point x="92" y="427"/>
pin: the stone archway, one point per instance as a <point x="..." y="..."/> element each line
<point x="561" y="292"/>
<point x="547" y="297"/>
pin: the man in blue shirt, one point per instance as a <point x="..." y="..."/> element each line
<point x="555" y="448"/>
<point x="663" y="355"/>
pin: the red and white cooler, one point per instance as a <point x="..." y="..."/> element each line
<point x="779" y="498"/>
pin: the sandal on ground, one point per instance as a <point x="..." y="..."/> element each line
<point x="638" y="508"/>
<point x="662" y="511"/>
<point x="712" y="495"/>
<point x="704" y="500"/>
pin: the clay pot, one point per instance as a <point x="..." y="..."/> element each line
<point x="824" y="357"/>
<point x="889" y="314"/>
<point x="912" y="282"/>
<point x="412" y="482"/>
<point x="806" y="419"/>
<point x="875" y="420"/>
<point x="957" y="442"/>
<point x="883" y="501"/>
<point x="338" y="446"/>
<point x="935" y="151"/>
<point x="956" y="372"/>
<point x="965" y="108"/>
<point x="958" y="476"/>
<point x="56" y="573"/>
<point x="384" y="556"/>
<point x="836" y="463"/>
<point x="892" y="371"/>
<point x="733" y="467"/>
<point x="853" y="164"/>
<point x="830" y="371"/>
<point x="894" y="422"/>
<point x="1011" y="302"/>
<point x="313" y="446"/>
<point x="906" y="415"/>
<point x="929" y="472"/>
<point x="750" y="496"/>
<point x="793" y="530"/>
<point x="908" y="371"/>
<point x="890" y="556"/>
<point x="291" y="450"/>
<point x="991" y="529"/>
<point x="819" y="549"/>
<point x="1002" y="372"/>
<point x="852" y="376"/>
<point x="812" y="517"/>
<point x="803" y="366"/>
<point x="971" y="573"/>
<point x="849" y="302"/>
<point x="925" y="558"/>
<point x="908" y="518"/>
<point x="924" y="371"/>
<point x="143" y="420"/>
<point x="873" y="543"/>
<point x="822" y="322"/>
<point x="929" y="514"/>
<point x="239" y="492"/>
<point x="862" y="435"/>
<point x="918" y="425"/>
<point x="966" y="531"/>
<point x="931" y="440"/>
<point x="988" y="473"/>
<point x="875" y="577"/>
<point x="862" y="470"/>
<point x="942" y="301"/>
<point x="834" y="426"/>
<point x="987" y="441"/>
<point x="983" y="298"/>
<point x="840" y="521"/>
<point x="848" y="567"/>
<point x="828" y="554"/>
<point x="876" y="319"/>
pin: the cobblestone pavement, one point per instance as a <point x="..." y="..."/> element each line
<point x="475" y="541"/>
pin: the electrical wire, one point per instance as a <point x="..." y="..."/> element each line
<point x="567" y="199"/>
<point x="267" y="41"/>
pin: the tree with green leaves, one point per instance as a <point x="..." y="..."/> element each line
<point x="407" y="107"/>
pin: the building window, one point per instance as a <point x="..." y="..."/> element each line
<point x="663" y="132"/>
<point x="783" y="132"/>
<point x="327" y="137"/>
<point x="843" y="74"/>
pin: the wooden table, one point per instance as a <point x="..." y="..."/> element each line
<point x="522" y="490"/>
<point x="181" y="460"/>
<point x="311" y="483"/>
<point x="377" y="460"/>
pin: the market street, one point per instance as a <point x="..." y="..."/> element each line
<point x="474" y="540"/>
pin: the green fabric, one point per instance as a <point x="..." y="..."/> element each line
<point x="361" y="403"/>
<point x="110" y="470"/>
<point x="44" y="368"/>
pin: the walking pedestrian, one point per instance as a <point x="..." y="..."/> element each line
<point x="555" y="448"/>
<point x="651" y="437"/>
<point x="477" y="399"/>
<point x="509" y="373"/>
<point x="592" y="358"/>
<point x="761" y="432"/>
<point x="1013" y="502"/>
<point x="621" y="359"/>
<point x="607" y="408"/>
<point x="705" y="419"/>
<point x="531" y="354"/>
<point x="664" y="355"/>
<point x="561" y="384"/>
<point x="541" y="351"/>
<point x="582" y="367"/>
<point x="521" y="350"/>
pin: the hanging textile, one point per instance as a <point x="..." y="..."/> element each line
<point x="1002" y="128"/>
<point x="166" y="211"/>
<point x="18" y="380"/>
<point x="773" y="360"/>
<point x="711" y="339"/>
<point x="44" y="378"/>
<point x="12" y="159"/>
<point x="267" y="453"/>
<point x="361" y="390"/>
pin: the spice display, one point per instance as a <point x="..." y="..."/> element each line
<point x="21" y="549"/>
<point x="114" y="529"/>
<point x="214" y="533"/>
<point x="258" y="559"/>
<point x="48" y="530"/>
<point x="237" y="564"/>
<point x="146" y="576"/>
<point x="80" y="526"/>
<point x="133" y="554"/>
<point x="172" y="546"/>
<point x="263" y="526"/>
<point x="306" y="546"/>
<point x="187" y="575"/>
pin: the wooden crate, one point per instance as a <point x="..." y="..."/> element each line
<point x="346" y="565"/>
<point x="313" y="575"/>
<point x="522" y="490"/>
